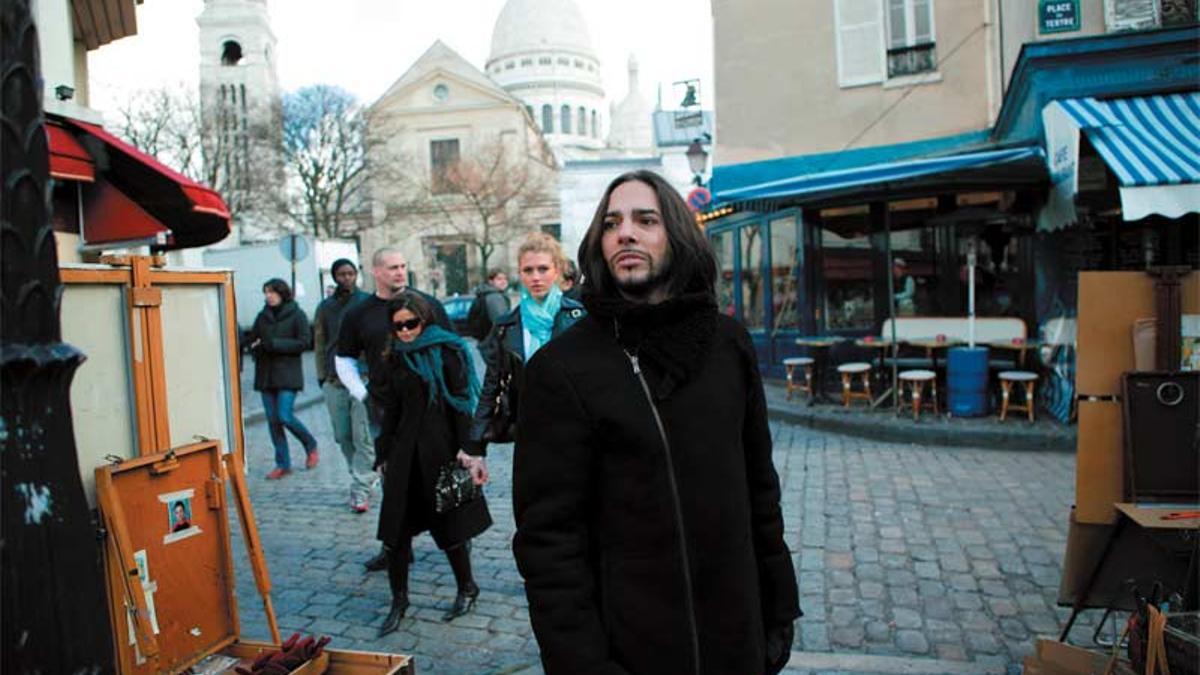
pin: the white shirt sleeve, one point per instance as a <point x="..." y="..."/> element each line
<point x="347" y="372"/>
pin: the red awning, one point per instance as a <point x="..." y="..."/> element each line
<point x="110" y="217"/>
<point x="196" y="215"/>
<point x="68" y="159"/>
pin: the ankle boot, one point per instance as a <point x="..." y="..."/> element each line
<point x="398" y="560"/>
<point x="460" y="564"/>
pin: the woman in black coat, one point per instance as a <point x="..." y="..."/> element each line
<point x="427" y="393"/>
<point x="543" y="313"/>
<point x="279" y="336"/>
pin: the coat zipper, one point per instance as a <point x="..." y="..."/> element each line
<point x="689" y="601"/>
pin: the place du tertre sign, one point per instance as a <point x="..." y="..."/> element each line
<point x="1058" y="16"/>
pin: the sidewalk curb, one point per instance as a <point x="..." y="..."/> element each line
<point x="259" y="415"/>
<point x="881" y="427"/>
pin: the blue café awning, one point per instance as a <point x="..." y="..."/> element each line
<point x="790" y="182"/>
<point x="1151" y="144"/>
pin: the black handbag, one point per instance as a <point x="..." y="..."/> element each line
<point x="503" y="419"/>
<point x="454" y="487"/>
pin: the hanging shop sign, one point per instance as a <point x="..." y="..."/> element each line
<point x="1058" y="16"/>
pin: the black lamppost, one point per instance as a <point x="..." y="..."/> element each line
<point x="697" y="158"/>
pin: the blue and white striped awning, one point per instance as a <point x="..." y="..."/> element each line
<point x="1151" y="144"/>
<point x="1147" y="140"/>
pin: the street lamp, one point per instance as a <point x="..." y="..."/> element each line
<point x="697" y="160"/>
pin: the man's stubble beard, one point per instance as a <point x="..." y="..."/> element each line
<point x="656" y="277"/>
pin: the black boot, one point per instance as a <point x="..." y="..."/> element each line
<point x="397" y="568"/>
<point x="468" y="592"/>
<point x="377" y="562"/>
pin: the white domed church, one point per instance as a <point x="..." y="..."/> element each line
<point x="538" y="116"/>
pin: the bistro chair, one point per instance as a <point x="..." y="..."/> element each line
<point x="790" y="365"/>
<point x="1007" y="379"/>
<point x="848" y="371"/>
<point x="916" y="381"/>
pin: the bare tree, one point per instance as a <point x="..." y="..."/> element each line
<point x="498" y="192"/>
<point x="239" y="161"/>
<point x="325" y="147"/>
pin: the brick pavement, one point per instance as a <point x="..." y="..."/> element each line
<point x="947" y="555"/>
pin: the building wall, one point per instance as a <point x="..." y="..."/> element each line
<point x="778" y="91"/>
<point x="403" y="125"/>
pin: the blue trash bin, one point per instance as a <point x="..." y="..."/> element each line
<point x="966" y="378"/>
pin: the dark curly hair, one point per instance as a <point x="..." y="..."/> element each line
<point x="280" y="287"/>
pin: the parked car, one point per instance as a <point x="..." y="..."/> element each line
<point x="457" y="307"/>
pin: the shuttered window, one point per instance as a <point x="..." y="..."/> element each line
<point x="860" y="41"/>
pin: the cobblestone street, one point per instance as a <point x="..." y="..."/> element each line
<point x="910" y="559"/>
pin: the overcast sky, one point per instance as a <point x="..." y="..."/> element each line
<point x="365" y="45"/>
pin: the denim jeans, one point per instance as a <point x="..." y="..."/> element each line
<point x="353" y="435"/>
<point x="278" y="405"/>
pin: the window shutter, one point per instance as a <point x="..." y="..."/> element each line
<point x="1131" y="14"/>
<point x="860" y="52"/>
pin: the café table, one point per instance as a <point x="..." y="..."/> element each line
<point x="882" y="346"/>
<point x="932" y="345"/>
<point x="1018" y="345"/>
<point x="819" y="347"/>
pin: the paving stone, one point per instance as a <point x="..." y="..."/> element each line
<point x="906" y="618"/>
<point x="878" y="631"/>
<point x="848" y="636"/>
<point x="912" y="641"/>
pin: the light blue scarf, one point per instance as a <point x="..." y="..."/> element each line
<point x="538" y="318"/>
<point x="424" y="357"/>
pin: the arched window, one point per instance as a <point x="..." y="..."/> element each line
<point x="566" y="119"/>
<point x="547" y="119"/>
<point x="231" y="53"/>
<point x="595" y="126"/>
<point x="582" y="122"/>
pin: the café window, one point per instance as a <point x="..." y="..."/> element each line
<point x="723" y="248"/>
<point x="914" y="272"/>
<point x="785" y="261"/>
<point x="849" y="284"/>
<point x="752" y="280"/>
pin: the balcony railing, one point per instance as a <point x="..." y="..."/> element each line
<point x="912" y="60"/>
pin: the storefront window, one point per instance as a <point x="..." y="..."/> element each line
<point x="997" y="277"/>
<point x="723" y="246"/>
<point x="752" y="286"/>
<point x="785" y="259"/>
<point x="849" y="283"/>
<point x="914" y="272"/>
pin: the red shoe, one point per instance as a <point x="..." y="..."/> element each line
<point x="311" y="461"/>
<point x="360" y="504"/>
<point x="278" y="473"/>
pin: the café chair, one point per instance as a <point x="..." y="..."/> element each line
<point x="1007" y="379"/>
<point x="790" y="365"/>
<point x="848" y="371"/>
<point x="916" y="380"/>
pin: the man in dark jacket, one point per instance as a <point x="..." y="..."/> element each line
<point x="649" y="530"/>
<point x="347" y="415"/>
<point x="365" y="334"/>
<point x="489" y="304"/>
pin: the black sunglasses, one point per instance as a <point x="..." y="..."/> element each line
<point x="411" y="324"/>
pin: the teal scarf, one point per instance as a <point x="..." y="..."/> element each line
<point x="538" y="318"/>
<point x="424" y="357"/>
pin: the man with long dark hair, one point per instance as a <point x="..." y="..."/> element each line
<point x="649" y="531"/>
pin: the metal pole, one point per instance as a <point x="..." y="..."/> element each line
<point x="971" y="295"/>
<point x="887" y="247"/>
<point x="292" y="258"/>
<point x="53" y="614"/>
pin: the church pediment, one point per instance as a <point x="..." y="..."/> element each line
<point x="441" y="78"/>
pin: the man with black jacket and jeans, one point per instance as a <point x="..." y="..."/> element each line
<point x="365" y="333"/>
<point x="347" y="415"/>
<point x="649" y="531"/>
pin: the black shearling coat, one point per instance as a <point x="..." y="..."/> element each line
<point x="416" y="440"/>
<point x="597" y="540"/>
<point x="283" y="336"/>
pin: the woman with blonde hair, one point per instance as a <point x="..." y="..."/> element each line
<point x="543" y="313"/>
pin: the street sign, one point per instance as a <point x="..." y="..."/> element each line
<point x="294" y="247"/>
<point x="1058" y="16"/>
<point x="688" y="118"/>
<point x="699" y="199"/>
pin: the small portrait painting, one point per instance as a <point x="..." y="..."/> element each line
<point x="180" y="514"/>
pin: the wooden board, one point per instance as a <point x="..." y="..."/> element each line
<point x="1152" y="517"/>
<point x="334" y="661"/>
<point x="170" y="512"/>
<point x="1099" y="462"/>
<point x="1109" y="303"/>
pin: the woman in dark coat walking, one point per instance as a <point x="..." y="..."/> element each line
<point x="427" y="392"/>
<point x="543" y="313"/>
<point x="279" y="336"/>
